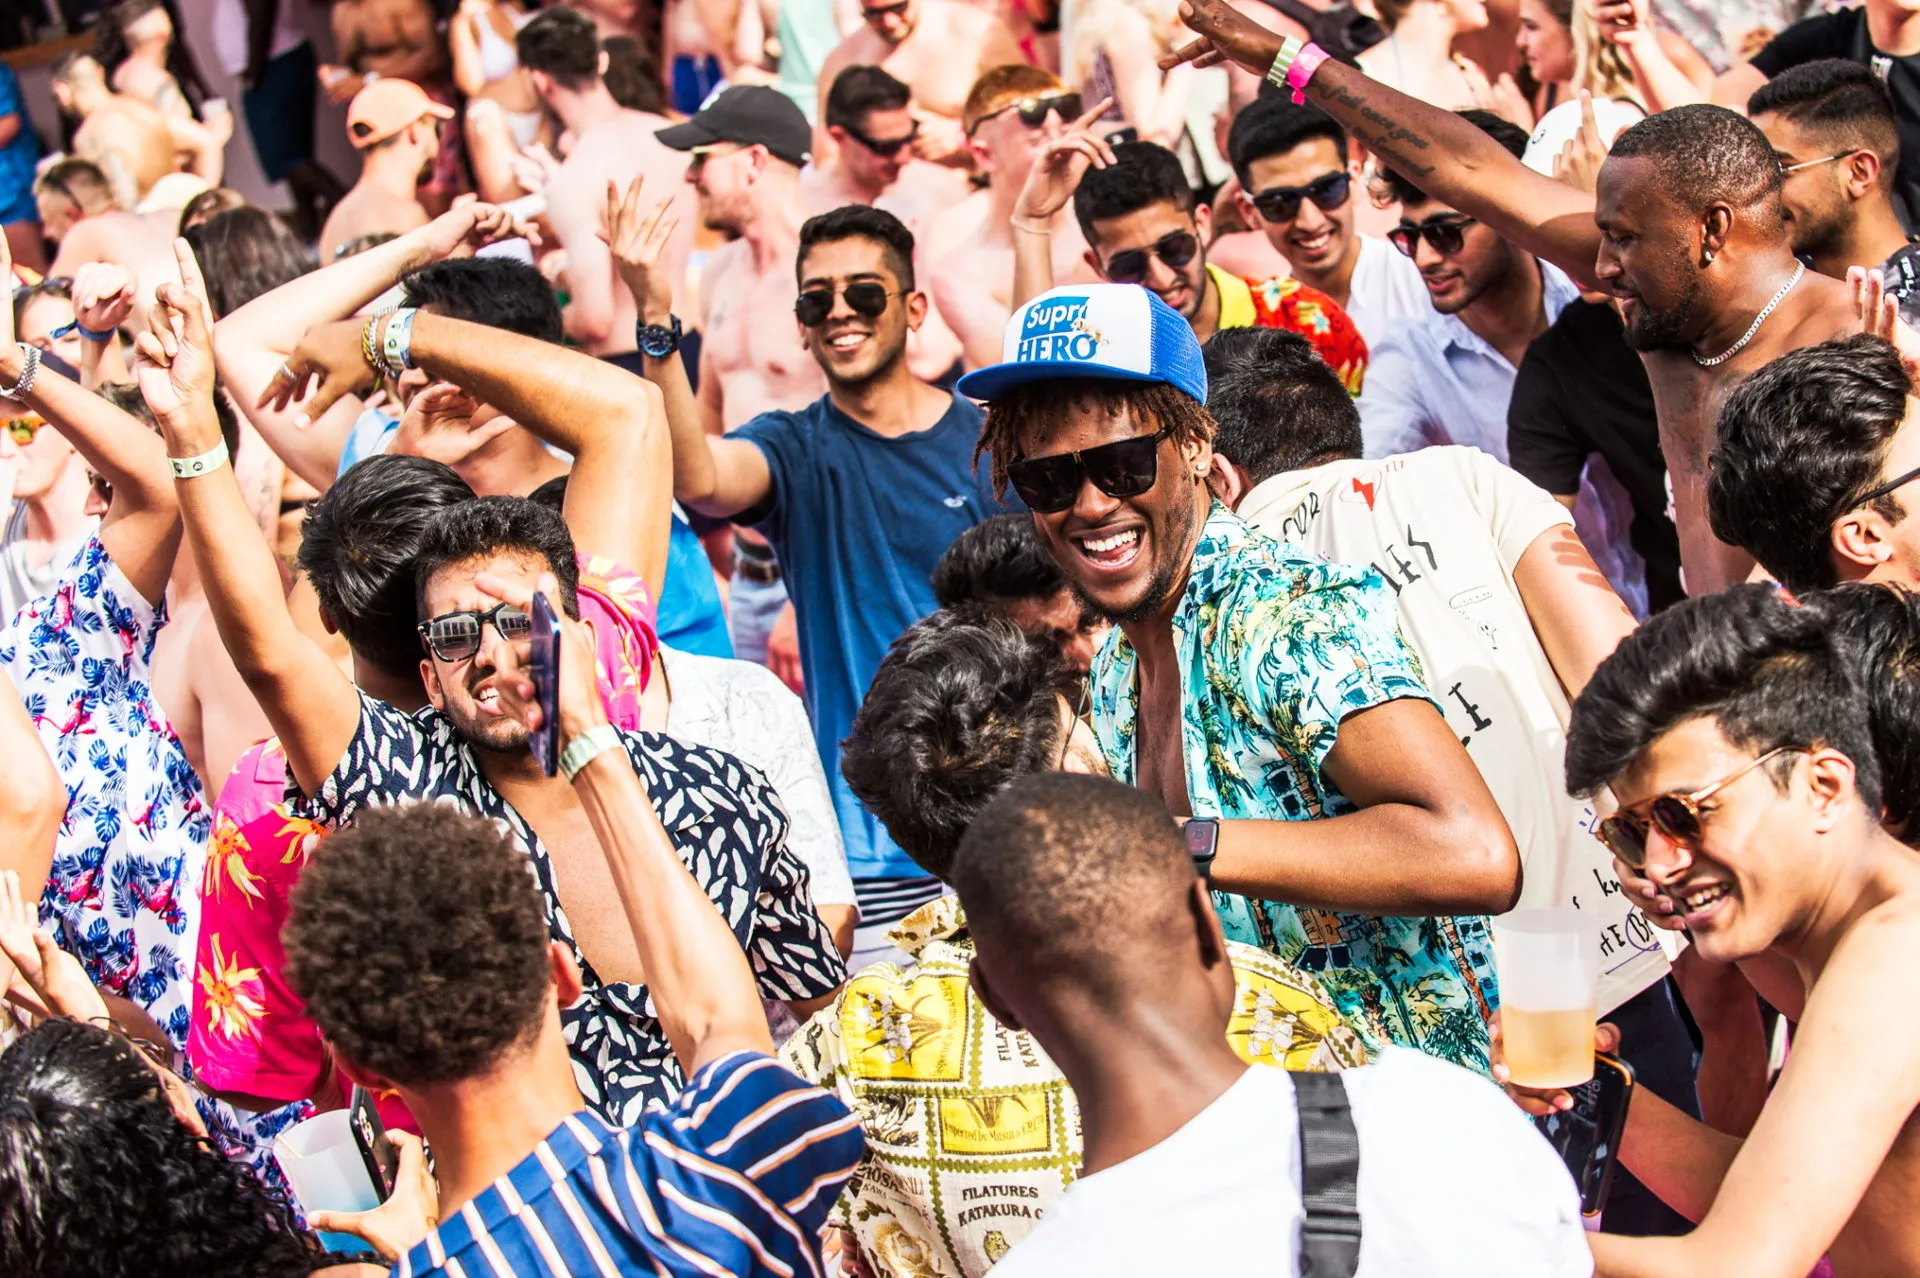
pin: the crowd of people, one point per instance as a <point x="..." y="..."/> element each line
<point x="1017" y="766"/>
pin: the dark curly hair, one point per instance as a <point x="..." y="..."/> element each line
<point x="497" y="525"/>
<point x="1037" y="406"/>
<point x="961" y="706"/>
<point x="417" y="938"/>
<point x="99" y="1179"/>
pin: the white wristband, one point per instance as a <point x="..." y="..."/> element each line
<point x="587" y="747"/>
<point x="206" y="463"/>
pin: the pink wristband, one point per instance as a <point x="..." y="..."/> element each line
<point x="1304" y="65"/>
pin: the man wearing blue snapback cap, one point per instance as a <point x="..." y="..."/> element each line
<point x="1249" y="685"/>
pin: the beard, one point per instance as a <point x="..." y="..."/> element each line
<point x="486" y="734"/>
<point x="1651" y="330"/>
<point x="1173" y="540"/>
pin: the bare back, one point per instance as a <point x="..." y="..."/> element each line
<point x="753" y="355"/>
<point x="618" y="150"/>
<point x="368" y="210"/>
<point x="131" y="143"/>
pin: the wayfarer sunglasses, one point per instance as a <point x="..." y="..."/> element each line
<point x="1125" y="468"/>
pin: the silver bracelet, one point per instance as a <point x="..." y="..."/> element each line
<point x="30" y="357"/>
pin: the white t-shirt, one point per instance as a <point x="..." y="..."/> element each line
<point x="1445" y="527"/>
<point x="1386" y="288"/>
<point x="744" y="709"/>
<point x="1454" y="1183"/>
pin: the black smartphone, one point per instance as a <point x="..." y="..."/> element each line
<point x="1587" y="1137"/>
<point x="543" y="667"/>
<point x="376" y="1151"/>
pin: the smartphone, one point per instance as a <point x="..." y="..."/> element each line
<point x="376" y="1151"/>
<point x="1587" y="1137"/>
<point x="543" y="666"/>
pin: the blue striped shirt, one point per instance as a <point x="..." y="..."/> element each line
<point x="735" y="1177"/>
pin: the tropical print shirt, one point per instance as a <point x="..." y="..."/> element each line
<point x="972" y="1133"/>
<point x="1284" y="302"/>
<point x="123" y="895"/>
<point x="1279" y="647"/>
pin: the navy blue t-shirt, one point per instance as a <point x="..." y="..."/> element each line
<point x="859" y="521"/>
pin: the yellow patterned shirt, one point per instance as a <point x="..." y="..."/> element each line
<point x="972" y="1133"/>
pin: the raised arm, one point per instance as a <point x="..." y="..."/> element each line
<point x="714" y="475"/>
<point x="613" y="423"/>
<point x="1049" y="188"/>
<point x="1446" y="156"/>
<point x="312" y="706"/>
<point x="142" y="527"/>
<point x="1428" y="839"/>
<point x="702" y="985"/>
<point x="251" y="343"/>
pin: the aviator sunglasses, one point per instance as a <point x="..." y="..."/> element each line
<point x="1676" y="816"/>
<point x="867" y="298"/>
<point x="1125" y="468"/>
<point x="1175" y="249"/>
<point x="1447" y="233"/>
<point x="1282" y="203"/>
<point x="455" y="636"/>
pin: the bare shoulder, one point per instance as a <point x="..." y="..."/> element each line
<point x="1863" y="976"/>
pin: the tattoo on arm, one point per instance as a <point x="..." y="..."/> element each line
<point x="1387" y="138"/>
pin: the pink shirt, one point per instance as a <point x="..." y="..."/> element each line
<point x="250" y="1032"/>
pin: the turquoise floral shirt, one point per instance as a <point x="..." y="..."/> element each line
<point x="1278" y="647"/>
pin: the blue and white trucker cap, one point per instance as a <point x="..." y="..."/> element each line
<point x="1118" y="331"/>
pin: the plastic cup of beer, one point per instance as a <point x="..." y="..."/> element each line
<point x="1549" y="967"/>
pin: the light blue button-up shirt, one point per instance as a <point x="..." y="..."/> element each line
<point x="1433" y="380"/>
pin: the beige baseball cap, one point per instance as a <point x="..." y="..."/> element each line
<point x="387" y="106"/>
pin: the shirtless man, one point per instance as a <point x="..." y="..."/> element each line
<point x="394" y="126"/>
<point x="1011" y="115"/>
<point x="938" y="48"/>
<point x="1686" y="229"/>
<point x="400" y="39"/>
<point x="1737" y="715"/>
<point x="562" y="54"/>
<point x="870" y="119"/>
<point x="134" y="144"/>
<point x="78" y="209"/>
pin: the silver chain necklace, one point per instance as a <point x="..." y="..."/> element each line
<point x="1799" y="269"/>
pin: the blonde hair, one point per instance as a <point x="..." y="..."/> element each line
<point x="1598" y="65"/>
<point x="1083" y="26"/>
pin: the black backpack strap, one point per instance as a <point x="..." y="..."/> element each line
<point x="1300" y="12"/>
<point x="1329" y="1178"/>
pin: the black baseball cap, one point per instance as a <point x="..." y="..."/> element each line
<point x="751" y="115"/>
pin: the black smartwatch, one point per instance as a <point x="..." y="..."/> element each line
<point x="655" y="341"/>
<point x="1203" y="837"/>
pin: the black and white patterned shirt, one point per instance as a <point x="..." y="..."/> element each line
<point x="725" y="821"/>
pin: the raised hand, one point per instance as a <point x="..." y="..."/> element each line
<point x="176" y="370"/>
<point x="330" y="354"/>
<point x="1624" y="22"/>
<point x="637" y="243"/>
<point x="471" y="225"/>
<point x="402" y="1222"/>
<point x="438" y="424"/>
<point x="103" y="296"/>
<point x="1056" y="174"/>
<point x="1226" y="35"/>
<point x="1579" y="161"/>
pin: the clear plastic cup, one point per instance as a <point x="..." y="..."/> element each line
<point x="1549" y="967"/>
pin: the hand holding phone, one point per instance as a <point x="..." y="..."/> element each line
<point x="1587" y="1136"/>
<point x="543" y="668"/>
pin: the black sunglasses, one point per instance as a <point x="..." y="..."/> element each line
<point x="874" y="13"/>
<point x="1874" y="494"/>
<point x="1176" y="250"/>
<point x="1125" y="468"/>
<point x="455" y="636"/>
<point x="1034" y="111"/>
<point x="1282" y="203"/>
<point x="866" y="297"/>
<point x="885" y="148"/>
<point x="1447" y="233"/>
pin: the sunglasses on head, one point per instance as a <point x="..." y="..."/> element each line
<point x="1676" y="816"/>
<point x="1175" y="249"/>
<point x="1034" y="111"/>
<point x="1282" y="203"/>
<point x="1125" y="468"/>
<point x="865" y="297"/>
<point x="455" y="636"/>
<point x="23" y="429"/>
<point x="885" y="148"/>
<point x="1447" y="233"/>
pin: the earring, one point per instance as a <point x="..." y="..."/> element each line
<point x="1706" y="259"/>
